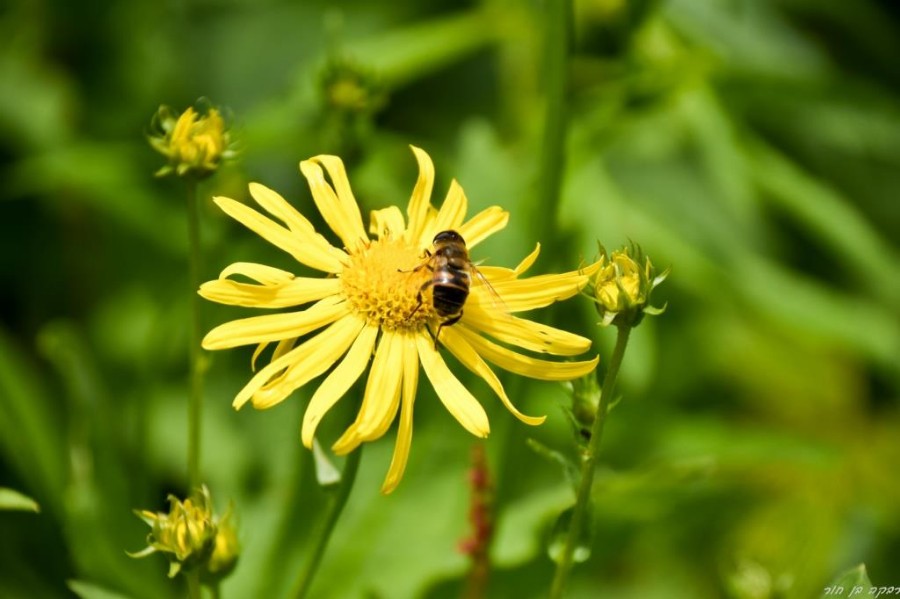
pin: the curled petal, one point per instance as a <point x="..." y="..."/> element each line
<point x="278" y="207"/>
<point x="297" y="367"/>
<point x="387" y="223"/>
<point x="469" y="358"/>
<point x="455" y="397"/>
<point x="338" y="208"/>
<point x="495" y="274"/>
<point x="523" y="365"/>
<point x="523" y="333"/>
<point x="301" y="247"/>
<point x="420" y="200"/>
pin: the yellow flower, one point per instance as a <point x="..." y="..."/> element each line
<point x="623" y="286"/>
<point x="193" y="143"/>
<point x="369" y="304"/>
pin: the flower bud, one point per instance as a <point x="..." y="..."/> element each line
<point x="194" y="142"/>
<point x="622" y="287"/>
<point x="187" y="533"/>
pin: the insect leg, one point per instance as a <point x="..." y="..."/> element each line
<point x="424" y="286"/>
<point x="447" y="323"/>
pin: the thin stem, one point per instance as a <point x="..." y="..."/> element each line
<point x="193" y="584"/>
<point x="348" y="477"/>
<point x="589" y="460"/>
<point x="557" y="41"/>
<point x="195" y="408"/>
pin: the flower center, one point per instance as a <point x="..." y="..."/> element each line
<point x="382" y="283"/>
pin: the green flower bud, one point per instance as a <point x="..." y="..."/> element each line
<point x="187" y="533"/>
<point x="622" y="287"/>
<point x="195" y="143"/>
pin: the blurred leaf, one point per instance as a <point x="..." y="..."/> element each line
<point x="87" y="590"/>
<point x="31" y="436"/>
<point x="402" y="55"/>
<point x="97" y="501"/>
<point x="13" y="500"/>
<point x="106" y="178"/>
<point x="830" y="217"/>
<point x="852" y="583"/>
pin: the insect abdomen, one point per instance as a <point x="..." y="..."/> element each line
<point x="450" y="292"/>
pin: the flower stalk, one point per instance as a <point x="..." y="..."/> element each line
<point x="588" y="465"/>
<point x="195" y="408"/>
<point x="348" y="477"/>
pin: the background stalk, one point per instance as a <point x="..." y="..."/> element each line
<point x="195" y="407"/>
<point x="557" y="42"/>
<point x="588" y="465"/>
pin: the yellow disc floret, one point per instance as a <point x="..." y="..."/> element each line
<point x="383" y="281"/>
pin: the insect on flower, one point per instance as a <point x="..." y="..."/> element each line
<point x="451" y="279"/>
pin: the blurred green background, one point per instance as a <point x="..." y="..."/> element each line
<point x="753" y="145"/>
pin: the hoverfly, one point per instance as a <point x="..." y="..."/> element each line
<point x="451" y="278"/>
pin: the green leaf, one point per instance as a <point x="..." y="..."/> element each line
<point x="13" y="500"/>
<point x="852" y="583"/>
<point x="88" y="590"/>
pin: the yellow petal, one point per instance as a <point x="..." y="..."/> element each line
<point x="526" y="365"/>
<point x="338" y="382"/>
<point x="274" y="327"/>
<point x="483" y="225"/>
<point x="405" y="427"/>
<point x="387" y="223"/>
<point x="277" y="206"/>
<point x="266" y="275"/>
<point x="496" y="274"/>
<point x="520" y="295"/>
<point x="381" y="398"/>
<point x="292" y="242"/>
<point x="342" y="215"/>
<point x="298" y="291"/>
<point x="311" y="359"/>
<point x="455" y="397"/>
<point x="469" y="358"/>
<point x="452" y="212"/>
<point x="420" y="200"/>
<point x="524" y="333"/>
<point x="283" y="347"/>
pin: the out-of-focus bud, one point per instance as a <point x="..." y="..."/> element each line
<point x="350" y="88"/>
<point x="186" y="533"/>
<point x="225" y="549"/>
<point x="622" y="287"/>
<point x="195" y="142"/>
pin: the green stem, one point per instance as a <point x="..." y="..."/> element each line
<point x="348" y="477"/>
<point x="589" y="460"/>
<point x="195" y="408"/>
<point x="193" y="584"/>
<point x="557" y="41"/>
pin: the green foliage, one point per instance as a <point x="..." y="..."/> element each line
<point x="751" y="145"/>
